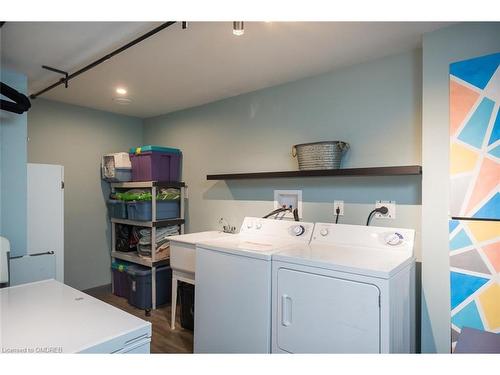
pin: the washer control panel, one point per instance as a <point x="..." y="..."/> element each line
<point x="298" y="230"/>
<point x="277" y="228"/>
<point x="323" y="232"/>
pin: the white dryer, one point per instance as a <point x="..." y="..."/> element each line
<point x="351" y="290"/>
<point x="233" y="285"/>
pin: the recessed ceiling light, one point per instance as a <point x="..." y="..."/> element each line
<point x="121" y="91"/>
<point x="122" y="101"/>
<point x="238" y="28"/>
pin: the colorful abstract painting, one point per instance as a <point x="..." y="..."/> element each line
<point x="475" y="195"/>
<point x="475" y="138"/>
<point x="474" y="275"/>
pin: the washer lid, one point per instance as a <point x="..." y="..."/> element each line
<point x="260" y="238"/>
<point x="261" y="247"/>
<point x="366" y="261"/>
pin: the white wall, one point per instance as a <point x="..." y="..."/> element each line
<point x="77" y="137"/>
<point x="440" y="48"/>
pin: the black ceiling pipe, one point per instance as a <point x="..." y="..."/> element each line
<point x="103" y="59"/>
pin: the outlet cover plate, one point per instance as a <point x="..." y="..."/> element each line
<point x="288" y="197"/>
<point x="391" y="205"/>
<point x="339" y="204"/>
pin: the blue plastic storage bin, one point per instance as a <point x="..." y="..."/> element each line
<point x="141" y="210"/>
<point x="117" y="209"/>
<point x="139" y="279"/>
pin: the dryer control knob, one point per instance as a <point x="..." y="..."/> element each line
<point x="249" y="225"/>
<point x="258" y="225"/>
<point x="394" y="239"/>
<point x="323" y="232"/>
<point x="298" y="230"/>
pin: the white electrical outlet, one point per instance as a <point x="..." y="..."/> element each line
<point x="339" y="204"/>
<point x="391" y="206"/>
<point x="288" y="198"/>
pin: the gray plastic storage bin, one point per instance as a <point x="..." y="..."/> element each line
<point x="118" y="175"/>
<point x="141" y="210"/>
<point x="117" y="209"/>
<point x="139" y="278"/>
<point x="123" y="174"/>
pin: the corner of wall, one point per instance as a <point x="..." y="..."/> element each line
<point x="13" y="160"/>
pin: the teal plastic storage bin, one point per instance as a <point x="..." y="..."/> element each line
<point x="149" y="148"/>
<point x="117" y="209"/>
<point x="141" y="210"/>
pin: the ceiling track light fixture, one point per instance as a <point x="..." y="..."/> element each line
<point x="238" y="28"/>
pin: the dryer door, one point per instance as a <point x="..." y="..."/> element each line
<point x="322" y="314"/>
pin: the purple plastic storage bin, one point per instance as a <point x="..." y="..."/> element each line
<point x="120" y="278"/>
<point x="156" y="166"/>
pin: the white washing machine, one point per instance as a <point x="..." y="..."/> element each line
<point x="183" y="260"/>
<point x="233" y="285"/>
<point x="351" y="290"/>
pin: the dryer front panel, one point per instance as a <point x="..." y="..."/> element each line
<point x="322" y="314"/>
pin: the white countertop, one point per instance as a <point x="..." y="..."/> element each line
<point x="194" y="238"/>
<point x="49" y="314"/>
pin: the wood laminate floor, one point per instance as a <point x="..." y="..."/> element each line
<point x="164" y="339"/>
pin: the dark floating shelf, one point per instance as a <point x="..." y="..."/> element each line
<point x="404" y="170"/>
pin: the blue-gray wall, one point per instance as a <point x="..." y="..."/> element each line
<point x="440" y="48"/>
<point x="76" y="138"/>
<point x="13" y="178"/>
<point x="374" y="106"/>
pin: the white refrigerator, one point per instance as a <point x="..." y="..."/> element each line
<point x="44" y="258"/>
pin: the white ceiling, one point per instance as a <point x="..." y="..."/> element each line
<point x="177" y="68"/>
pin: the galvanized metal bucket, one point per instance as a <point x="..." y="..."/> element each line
<point x="320" y="155"/>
